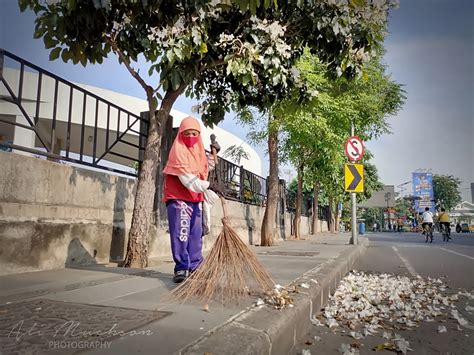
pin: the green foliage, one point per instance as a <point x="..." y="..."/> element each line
<point x="446" y="191"/>
<point x="315" y="131"/>
<point x="229" y="53"/>
<point x="371" y="215"/>
<point x="404" y="206"/>
<point x="293" y="187"/>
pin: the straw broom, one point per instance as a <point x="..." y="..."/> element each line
<point x="231" y="270"/>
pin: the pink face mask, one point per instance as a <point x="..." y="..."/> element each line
<point x="189" y="141"/>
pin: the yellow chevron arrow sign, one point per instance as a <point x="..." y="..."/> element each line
<point x="354" y="177"/>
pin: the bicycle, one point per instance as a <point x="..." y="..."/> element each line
<point x="445" y="233"/>
<point x="428" y="232"/>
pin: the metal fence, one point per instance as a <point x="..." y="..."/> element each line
<point x="241" y="184"/>
<point x="306" y="205"/>
<point x="69" y="123"/>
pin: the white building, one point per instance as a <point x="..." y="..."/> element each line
<point x="87" y="128"/>
<point x="463" y="213"/>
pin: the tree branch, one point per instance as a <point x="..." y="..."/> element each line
<point x="148" y="89"/>
<point x="212" y="65"/>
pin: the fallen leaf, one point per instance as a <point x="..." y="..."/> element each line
<point x="316" y="321"/>
<point x="356" y="335"/>
<point x="385" y="346"/>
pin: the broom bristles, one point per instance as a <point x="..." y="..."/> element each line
<point x="229" y="273"/>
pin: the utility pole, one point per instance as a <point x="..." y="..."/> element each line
<point x="354" y="239"/>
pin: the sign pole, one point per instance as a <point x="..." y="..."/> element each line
<point x="354" y="207"/>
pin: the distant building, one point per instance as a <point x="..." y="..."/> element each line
<point x="383" y="198"/>
<point x="472" y="192"/>
<point x="463" y="213"/>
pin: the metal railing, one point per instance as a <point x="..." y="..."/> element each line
<point x="75" y="125"/>
<point x="240" y="184"/>
<point x="306" y="205"/>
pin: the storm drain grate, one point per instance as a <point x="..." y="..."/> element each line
<point x="44" y="326"/>
<point x="289" y="253"/>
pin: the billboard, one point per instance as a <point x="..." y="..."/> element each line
<point x="423" y="191"/>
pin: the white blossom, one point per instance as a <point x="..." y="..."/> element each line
<point x="442" y="329"/>
<point x="369" y="300"/>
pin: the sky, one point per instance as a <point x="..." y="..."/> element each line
<point x="429" y="49"/>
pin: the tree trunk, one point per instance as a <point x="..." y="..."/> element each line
<point x="269" y="217"/>
<point x="332" y="227"/>
<point x="316" y="225"/>
<point x="299" y="201"/>
<point x="142" y="218"/>
<point x="336" y="219"/>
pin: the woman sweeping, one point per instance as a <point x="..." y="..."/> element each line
<point x="185" y="188"/>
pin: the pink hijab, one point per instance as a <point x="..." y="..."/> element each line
<point x="184" y="160"/>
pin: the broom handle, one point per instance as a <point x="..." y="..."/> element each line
<point x="214" y="154"/>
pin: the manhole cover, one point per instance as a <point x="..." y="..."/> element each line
<point x="44" y="326"/>
<point x="290" y="253"/>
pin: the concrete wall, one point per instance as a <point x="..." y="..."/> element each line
<point x="54" y="216"/>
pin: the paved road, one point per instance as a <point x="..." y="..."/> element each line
<point x="408" y="254"/>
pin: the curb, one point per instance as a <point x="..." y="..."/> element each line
<point x="263" y="330"/>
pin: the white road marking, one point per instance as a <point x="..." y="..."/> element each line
<point x="405" y="261"/>
<point x="454" y="252"/>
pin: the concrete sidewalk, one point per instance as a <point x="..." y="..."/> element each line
<point x="73" y="310"/>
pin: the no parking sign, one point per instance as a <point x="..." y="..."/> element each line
<point x="354" y="148"/>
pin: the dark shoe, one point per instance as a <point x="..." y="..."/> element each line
<point x="190" y="272"/>
<point x="179" y="276"/>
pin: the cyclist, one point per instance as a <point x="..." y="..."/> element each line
<point x="427" y="221"/>
<point x="443" y="219"/>
<point x="399" y="224"/>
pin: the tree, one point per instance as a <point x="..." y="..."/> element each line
<point x="315" y="131"/>
<point x="446" y="190"/>
<point x="370" y="216"/>
<point x="229" y="53"/>
<point x="360" y="21"/>
<point x="404" y="206"/>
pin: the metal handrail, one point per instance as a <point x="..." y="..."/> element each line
<point x="47" y="137"/>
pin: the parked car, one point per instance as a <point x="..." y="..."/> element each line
<point x="465" y="228"/>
